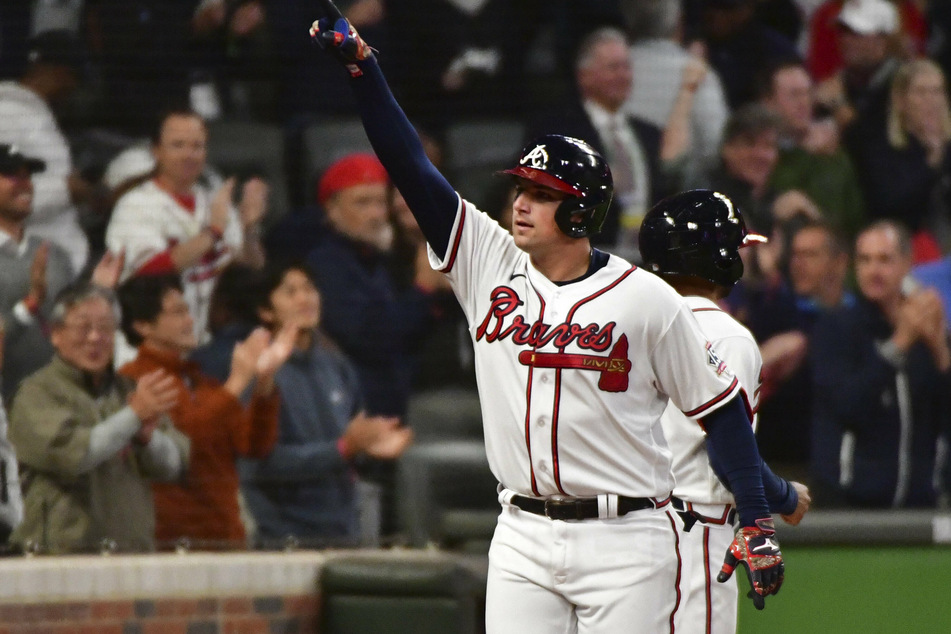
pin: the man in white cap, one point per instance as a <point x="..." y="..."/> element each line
<point x="859" y="91"/>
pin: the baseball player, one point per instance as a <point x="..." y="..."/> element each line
<point x="577" y="354"/>
<point x="692" y="240"/>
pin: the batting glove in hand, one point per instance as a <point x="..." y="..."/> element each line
<point x="335" y="34"/>
<point x="757" y="550"/>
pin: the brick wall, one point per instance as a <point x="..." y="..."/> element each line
<point x="193" y="593"/>
<point x="214" y="615"/>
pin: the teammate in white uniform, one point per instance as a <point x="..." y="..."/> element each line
<point x="176" y="222"/>
<point x="692" y="240"/>
<point x="577" y="354"/>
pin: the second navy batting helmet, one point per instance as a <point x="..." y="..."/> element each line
<point x="698" y="232"/>
<point x="572" y="167"/>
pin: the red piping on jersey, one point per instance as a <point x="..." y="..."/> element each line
<point x="722" y="395"/>
<point x="680" y="565"/>
<point x="528" y="430"/>
<point x="455" y="243"/>
<point x="702" y="310"/>
<point x="528" y="407"/>
<point x="746" y="403"/>
<point x="707" y="578"/>
<point x="570" y="360"/>
<point x="556" y="471"/>
<point x="571" y="313"/>
<point x="709" y="519"/>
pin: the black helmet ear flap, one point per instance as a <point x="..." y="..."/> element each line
<point x="698" y="232"/>
<point x="574" y="168"/>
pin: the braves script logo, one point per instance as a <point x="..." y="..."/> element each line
<point x="536" y="159"/>
<point x="614" y="368"/>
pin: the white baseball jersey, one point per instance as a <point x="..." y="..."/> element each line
<point x="148" y="220"/>
<point x="574" y="378"/>
<point x="696" y="480"/>
<point x="707" y="606"/>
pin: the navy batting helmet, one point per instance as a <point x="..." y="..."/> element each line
<point x="698" y="232"/>
<point x="573" y="167"/>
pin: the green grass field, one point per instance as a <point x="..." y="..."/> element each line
<point x="870" y="590"/>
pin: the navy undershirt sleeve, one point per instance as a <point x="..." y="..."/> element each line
<point x="781" y="495"/>
<point x="428" y="194"/>
<point x="735" y="458"/>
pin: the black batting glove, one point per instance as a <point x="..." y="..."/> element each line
<point x="757" y="550"/>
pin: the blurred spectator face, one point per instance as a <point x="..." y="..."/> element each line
<point x="181" y="152"/>
<point x="86" y="337"/>
<point x="16" y="195"/>
<point x="813" y="263"/>
<point x="723" y="18"/>
<point x="880" y="266"/>
<point x="924" y="104"/>
<point x="606" y="77"/>
<point x="173" y="329"/>
<point x="792" y="97"/>
<point x="294" y="301"/>
<point x="862" y="52"/>
<point x="360" y="213"/>
<point x="66" y="80"/>
<point x="752" y="157"/>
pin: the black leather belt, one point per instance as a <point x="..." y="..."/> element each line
<point x="581" y="508"/>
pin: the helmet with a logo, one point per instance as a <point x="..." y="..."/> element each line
<point x="572" y="167"/>
<point x="698" y="232"/>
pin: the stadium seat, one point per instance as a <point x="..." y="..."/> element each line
<point x="384" y="594"/>
<point x="243" y="148"/>
<point x="478" y="148"/>
<point x="326" y="142"/>
<point x="445" y="414"/>
<point x="447" y="495"/>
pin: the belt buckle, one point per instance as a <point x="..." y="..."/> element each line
<point x="560" y="509"/>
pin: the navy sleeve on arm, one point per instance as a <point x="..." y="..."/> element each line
<point x="394" y="139"/>
<point x="782" y="496"/>
<point x="735" y="458"/>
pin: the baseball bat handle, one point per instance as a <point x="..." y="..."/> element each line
<point x="331" y="9"/>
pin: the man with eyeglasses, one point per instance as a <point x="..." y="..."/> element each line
<point x="89" y="441"/>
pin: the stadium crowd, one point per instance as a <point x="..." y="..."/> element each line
<point x="210" y="340"/>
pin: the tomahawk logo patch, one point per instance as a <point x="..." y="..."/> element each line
<point x="714" y="360"/>
<point x="536" y="159"/>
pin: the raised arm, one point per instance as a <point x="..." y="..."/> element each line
<point x="429" y="195"/>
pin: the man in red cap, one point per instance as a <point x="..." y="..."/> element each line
<point x="375" y="321"/>
<point x="378" y="322"/>
<point x="352" y="193"/>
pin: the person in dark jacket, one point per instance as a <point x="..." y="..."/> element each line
<point x="377" y="324"/>
<point x="603" y="79"/>
<point x="881" y="372"/>
<point x="305" y="487"/>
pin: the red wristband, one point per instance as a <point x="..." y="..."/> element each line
<point x="344" y="448"/>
